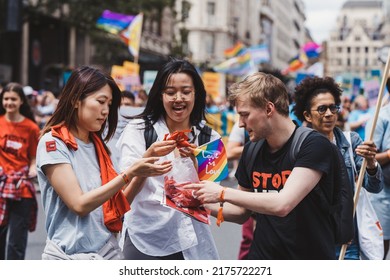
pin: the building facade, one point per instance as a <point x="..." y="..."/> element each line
<point x="361" y="31"/>
<point x="215" y="25"/>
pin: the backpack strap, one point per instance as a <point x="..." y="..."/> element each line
<point x="150" y="134"/>
<point x="204" y="135"/>
<point x="299" y="136"/>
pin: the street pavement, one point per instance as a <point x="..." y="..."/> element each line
<point x="227" y="236"/>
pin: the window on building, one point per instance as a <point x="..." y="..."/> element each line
<point x="357" y="38"/>
<point x="185" y="10"/>
<point x="339" y="49"/>
<point x="210" y="8"/>
<point x="210" y="44"/>
<point x="348" y="49"/>
<point x="366" y="61"/>
<point x="211" y="13"/>
<point x="366" y="49"/>
<point x="348" y="62"/>
<point x="357" y="50"/>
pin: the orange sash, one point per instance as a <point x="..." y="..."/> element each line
<point x="114" y="208"/>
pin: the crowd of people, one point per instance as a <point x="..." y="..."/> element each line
<point x="112" y="203"/>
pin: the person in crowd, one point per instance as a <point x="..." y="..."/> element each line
<point x="18" y="143"/>
<point x="318" y="103"/>
<point x="47" y="103"/>
<point x="128" y="98"/>
<point x="381" y="201"/>
<point x="141" y="98"/>
<point x="359" y="115"/>
<point x="151" y="231"/>
<point x="342" y="120"/>
<point x="85" y="211"/>
<point x="289" y="222"/>
<point x="127" y="108"/>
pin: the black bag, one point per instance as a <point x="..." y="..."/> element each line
<point x="341" y="206"/>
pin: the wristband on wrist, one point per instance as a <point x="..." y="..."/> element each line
<point x="220" y="218"/>
<point x="125" y="178"/>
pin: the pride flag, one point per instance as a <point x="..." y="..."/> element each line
<point x="234" y="65"/>
<point x="259" y="53"/>
<point x="237" y="49"/>
<point x="132" y="35"/>
<point x="312" y="49"/>
<point x="212" y="161"/>
<point x="113" y="22"/>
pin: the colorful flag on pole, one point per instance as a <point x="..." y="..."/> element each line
<point x="235" y="65"/>
<point x="237" y="49"/>
<point x="259" y="53"/>
<point x="132" y="35"/>
<point x="212" y="161"/>
<point x="113" y="22"/>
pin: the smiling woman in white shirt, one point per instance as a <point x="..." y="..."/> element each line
<point x="152" y="231"/>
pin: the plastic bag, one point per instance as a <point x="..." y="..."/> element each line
<point x="182" y="173"/>
<point x="370" y="230"/>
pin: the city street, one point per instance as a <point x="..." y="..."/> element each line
<point x="227" y="236"/>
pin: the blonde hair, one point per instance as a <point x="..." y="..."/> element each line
<point x="262" y="88"/>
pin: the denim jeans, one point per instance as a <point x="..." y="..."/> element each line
<point x="352" y="252"/>
<point x="13" y="236"/>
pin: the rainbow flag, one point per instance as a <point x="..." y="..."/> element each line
<point x="212" y="161"/>
<point x="113" y="22"/>
<point x="132" y="34"/>
<point x="237" y="49"/>
<point x="234" y="65"/>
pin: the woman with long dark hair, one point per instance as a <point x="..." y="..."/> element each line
<point x="152" y="231"/>
<point x="81" y="191"/>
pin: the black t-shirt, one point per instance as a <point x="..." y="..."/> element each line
<point x="306" y="232"/>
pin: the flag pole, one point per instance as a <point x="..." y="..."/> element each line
<point x="370" y="136"/>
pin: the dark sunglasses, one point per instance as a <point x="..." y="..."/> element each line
<point x="323" y="108"/>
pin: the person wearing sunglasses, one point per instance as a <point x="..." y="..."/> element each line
<point x="318" y="104"/>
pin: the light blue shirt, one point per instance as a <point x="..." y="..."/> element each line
<point x="74" y="234"/>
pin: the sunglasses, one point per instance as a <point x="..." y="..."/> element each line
<point x="323" y="108"/>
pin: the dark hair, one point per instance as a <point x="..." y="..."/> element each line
<point x="83" y="82"/>
<point x="154" y="108"/>
<point x="309" y="88"/>
<point x="128" y="94"/>
<point x="25" y="108"/>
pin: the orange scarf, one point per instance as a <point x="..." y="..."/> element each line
<point x="114" y="208"/>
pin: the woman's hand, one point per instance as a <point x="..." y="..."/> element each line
<point x="367" y="150"/>
<point x="146" y="167"/>
<point x="161" y="148"/>
<point x="189" y="152"/>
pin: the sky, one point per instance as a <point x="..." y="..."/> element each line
<point x="321" y="17"/>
